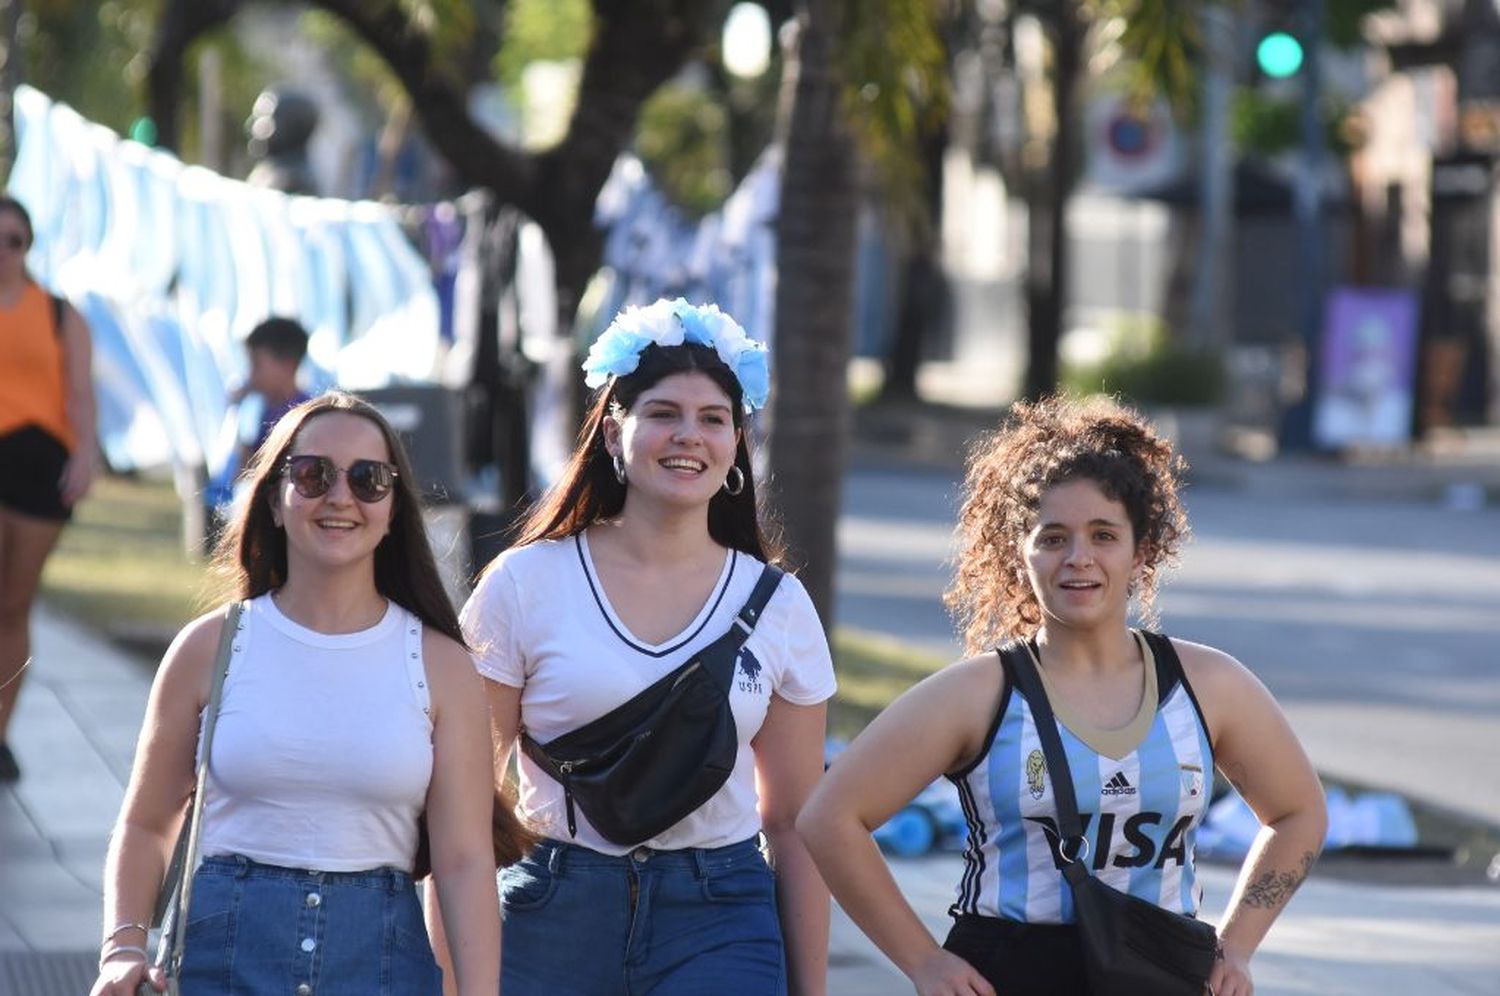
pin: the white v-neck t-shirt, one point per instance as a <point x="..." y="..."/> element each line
<point x="541" y="621"/>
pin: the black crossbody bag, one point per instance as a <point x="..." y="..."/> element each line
<point x="644" y="765"/>
<point x="1130" y="946"/>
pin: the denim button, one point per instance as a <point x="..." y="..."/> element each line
<point x="313" y="899"/>
<point x="641" y="854"/>
<point x="304" y="990"/>
<point x="308" y="944"/>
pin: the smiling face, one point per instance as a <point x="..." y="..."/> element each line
<point x="334" y="530"/>
<point x="677" y="440"/>
<point x="1081" y="556"/>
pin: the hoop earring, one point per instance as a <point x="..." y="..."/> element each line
<point x="619" y="466"/>
<point x="738" y="477"/>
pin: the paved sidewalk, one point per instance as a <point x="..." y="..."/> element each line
<point x="75" y="730"/>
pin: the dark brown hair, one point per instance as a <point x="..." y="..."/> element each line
<point x="588" y="490"/>
<point x="15" y="207"/>
<point x="283" y="338"/>
<point x="1044" y="444"/>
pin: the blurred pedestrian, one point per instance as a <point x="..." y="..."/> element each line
<point x="48" y="446"/>
<point x="1070" y="510"/>
<point x="350" y="710"/>
<point x="643" y="553"/>
<point x="275" y="348"/>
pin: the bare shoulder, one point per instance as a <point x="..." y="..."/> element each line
<point x="960" y="698"/>
<point x="1211" y="671"/>
<point x="1230" y="695"/>
<point x="190" y="658"/>
<point x="449" y="667"/>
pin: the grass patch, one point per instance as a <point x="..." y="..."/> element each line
<point x="872" y="671"/>
<point x="120" y="566"/>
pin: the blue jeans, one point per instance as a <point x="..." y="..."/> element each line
<point x="259" y="929"/>
<point x="664" y="923"/>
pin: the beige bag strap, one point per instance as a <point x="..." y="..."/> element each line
<point x="174" y="929"/>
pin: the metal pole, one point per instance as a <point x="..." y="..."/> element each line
<point x="1208" y="325"/>
<point x="1296" y="431"/>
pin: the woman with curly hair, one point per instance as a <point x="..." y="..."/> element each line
<point x="1070" y="511"/>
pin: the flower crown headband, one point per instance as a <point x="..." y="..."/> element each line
<point x="617" y="351"/>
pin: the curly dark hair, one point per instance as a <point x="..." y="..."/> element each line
<point x="1043" y="444"/>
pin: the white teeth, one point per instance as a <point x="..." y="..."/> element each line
<point x="682" y="465"/>
<point x="336" y="525"/>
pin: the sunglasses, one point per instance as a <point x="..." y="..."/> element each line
<point x="13" y="241"/>
<point x="312" y="477"/>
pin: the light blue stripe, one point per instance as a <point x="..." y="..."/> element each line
<point x="1161" y="783"/>
<point x="1084" y="763"/>
<point x="1009" y="833"/>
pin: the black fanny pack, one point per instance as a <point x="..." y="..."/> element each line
<point x="1130" y="946"/>
<point x="644" y="765"/>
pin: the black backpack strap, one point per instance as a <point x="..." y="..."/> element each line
<point x="58" y="307"/>
<point x="1069" y="823"/>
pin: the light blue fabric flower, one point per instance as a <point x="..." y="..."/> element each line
<point x="617" y="351"/>
<point x="752" y="368"/>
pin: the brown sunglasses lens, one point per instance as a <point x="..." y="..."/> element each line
<point x="313" y="476"/>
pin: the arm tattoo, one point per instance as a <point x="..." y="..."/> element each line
<point x="1273" y="888"/>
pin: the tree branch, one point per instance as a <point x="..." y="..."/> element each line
<point x="438" y="98"/>
<point x="181" y="23"/>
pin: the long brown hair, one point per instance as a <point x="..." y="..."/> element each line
<point x="588" y="490"/>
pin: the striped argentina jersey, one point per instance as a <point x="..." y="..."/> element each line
<point x="1140" y="809"/>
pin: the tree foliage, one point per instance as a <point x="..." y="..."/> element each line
<point x="894" y="68"/>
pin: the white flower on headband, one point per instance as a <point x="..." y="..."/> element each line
<point x="617" y="351"/>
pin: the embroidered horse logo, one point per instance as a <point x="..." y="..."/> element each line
<point x="749" y="665"/>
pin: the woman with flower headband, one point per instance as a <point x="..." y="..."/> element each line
<point x="640" y="556"/>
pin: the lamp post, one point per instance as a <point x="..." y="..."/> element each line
<point x="1296" y="428"/>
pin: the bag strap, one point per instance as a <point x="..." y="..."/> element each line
<point x="179" y="882"/>
<point x="721" y="663"/>
<point x="1069" y="824"/>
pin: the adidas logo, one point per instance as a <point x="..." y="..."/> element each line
<point x="1118" y="785"/>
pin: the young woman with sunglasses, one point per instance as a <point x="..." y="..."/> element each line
<point x="47" y="445"/>
<point x="643" y="553"/>
<point x="350" y="709"/>
<point x="1070" y="511"/>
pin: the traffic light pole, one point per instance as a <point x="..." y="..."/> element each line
<point x="1296" y="429"/>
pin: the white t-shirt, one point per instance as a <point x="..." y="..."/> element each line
<point x="540" y="621"/>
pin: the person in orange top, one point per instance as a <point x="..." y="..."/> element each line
<point x="48" y="451"/>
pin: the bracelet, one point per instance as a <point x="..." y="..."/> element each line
<point x="132" y="949"/>
<point x="121" y="928"/>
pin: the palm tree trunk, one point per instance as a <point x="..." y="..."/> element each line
<point x="814" y="308"/>
<point x="1047" y="273"/>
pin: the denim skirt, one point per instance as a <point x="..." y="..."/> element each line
<point x="258" y="929"/>
<point x="650" y="923"/>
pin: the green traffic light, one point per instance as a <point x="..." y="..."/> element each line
<point x="143" y="130"/>
<point x="1279" y="55"/>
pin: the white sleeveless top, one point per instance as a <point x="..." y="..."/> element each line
<point x="323" y="751"/>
